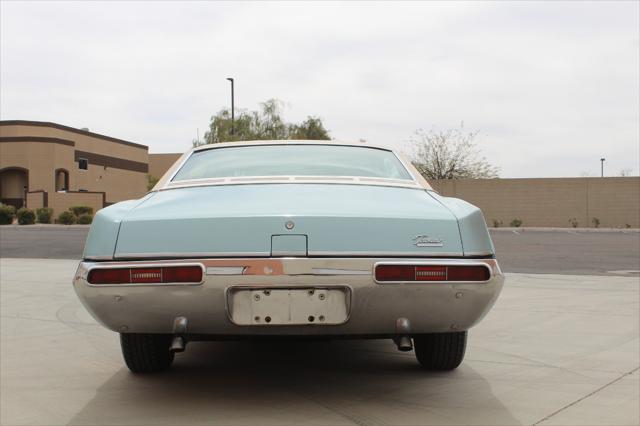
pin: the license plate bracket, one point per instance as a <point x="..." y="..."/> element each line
<point x="289" y="306"/>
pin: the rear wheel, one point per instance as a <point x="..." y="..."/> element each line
<point x="440" y="351"/>
<point x="146" y="353"/>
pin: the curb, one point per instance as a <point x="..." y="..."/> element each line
<point x="569" y="230"/>
<point x="45" y="226"/>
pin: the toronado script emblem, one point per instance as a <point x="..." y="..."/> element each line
<point x="426" y="241"/>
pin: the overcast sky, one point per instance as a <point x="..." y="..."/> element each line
<point x="551" y="87"/>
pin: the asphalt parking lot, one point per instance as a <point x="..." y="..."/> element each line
<point x="558" y="348"/>
<point x="579" y="252"/>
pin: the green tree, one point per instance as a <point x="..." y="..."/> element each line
<point x="311" y="128"/>
<point x="265" y="124"/>
<point x="152" y="180"/>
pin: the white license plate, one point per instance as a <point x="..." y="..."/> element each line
<point x="289" y="306"/>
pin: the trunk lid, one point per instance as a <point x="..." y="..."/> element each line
<point x="324" y="220"/>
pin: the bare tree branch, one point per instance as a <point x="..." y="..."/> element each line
<point x="450" y="154"/>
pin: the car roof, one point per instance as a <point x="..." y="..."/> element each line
<point x="417" y="177"/>
<point x="291" y="142"/>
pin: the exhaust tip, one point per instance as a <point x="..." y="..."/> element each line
<point x="177" y="344"/>
<point x="405" y="344"/>
<point x="403" y="341"/>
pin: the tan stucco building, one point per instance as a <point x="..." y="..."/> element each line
<point x="48" y="164"/>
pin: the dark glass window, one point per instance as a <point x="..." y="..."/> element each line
<point x="83" y="163"/>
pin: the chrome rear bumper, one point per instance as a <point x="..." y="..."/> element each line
<point x="374" y="308"/>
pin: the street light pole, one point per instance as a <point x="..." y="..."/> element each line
<point x="232" y="105"/>
<point x="602" y="167"/>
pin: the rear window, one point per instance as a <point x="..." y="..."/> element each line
<point x="292" y="160"/>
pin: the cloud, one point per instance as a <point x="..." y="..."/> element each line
<point x="551" y="87"/>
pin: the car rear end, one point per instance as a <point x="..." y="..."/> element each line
<point x="351" y="297"/>
<point x="303" y="258"/>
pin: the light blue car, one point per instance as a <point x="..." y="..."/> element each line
<point x="293" y="239"/>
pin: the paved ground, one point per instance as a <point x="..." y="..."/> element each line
<point x="42" y="242"/>
<point x="562" y="252"/>
<point x="568" y="251"/>
<point x="556" y="349"/>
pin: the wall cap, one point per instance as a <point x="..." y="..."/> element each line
<point x="567" y="230"/>
<point x="70" y="129"/>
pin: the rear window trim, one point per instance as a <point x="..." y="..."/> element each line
<point x="171" y="184"/>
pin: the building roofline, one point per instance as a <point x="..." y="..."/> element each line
<point x="36" y="139"/>
<point x="70" y="129"/>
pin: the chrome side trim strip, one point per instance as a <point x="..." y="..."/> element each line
<point x="261" y="180"/>
<point x="219" y="255"/>
<point x="226" y="270"/>
<point x="331" y="271"/>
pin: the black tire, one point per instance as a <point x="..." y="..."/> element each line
<point x="146" y="353"/>
<point x="440" y="351"/>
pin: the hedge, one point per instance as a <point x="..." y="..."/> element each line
<point x="7" y="213"/>
<point x="80" y="210"/>
<point x="44" y="214"/>
<point x="67" y="218"/>
<point x="85" y="219"/>
<point x="26" y="216"/>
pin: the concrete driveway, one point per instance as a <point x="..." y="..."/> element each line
<point x="556" y="349"/>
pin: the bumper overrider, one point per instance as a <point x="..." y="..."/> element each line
<point x="337" y="297"/>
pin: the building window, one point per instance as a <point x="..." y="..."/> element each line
<point x="62" y="180"/>
<point x="83" y="163"/>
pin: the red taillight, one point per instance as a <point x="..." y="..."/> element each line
<point x="468" y="273"/>
<point x="146" y="275"/>
<point x="109" y="276"/>
<point x="395" y="273"/>
<point x="432" y="273"/>
<point x="182" y="274"/>
<point x="167" y="274"/>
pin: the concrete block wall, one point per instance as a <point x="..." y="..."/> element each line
<point x="61" y="201"/>
<point x="553" y="202"/>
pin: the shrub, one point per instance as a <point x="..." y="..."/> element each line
<point x="7" y="213"/>
<point x="151" y="182"/>
<point x="26" y="216"/>
<point x="574" y="222"/>
<point x="497" y="223"/>
<point x="67" y="218"/>
<point x="80" y="210"/>
<point x="596" y="222"/>
<point x="516" y="223"/>
<point x="85" y="219"/>
<point x="44" y="214"/>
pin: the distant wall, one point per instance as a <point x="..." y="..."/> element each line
<point x="160" y="163"/>
<point x="36" y="199"/>
<point x="61" y="201"/>
<point x="614" y="201"/>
